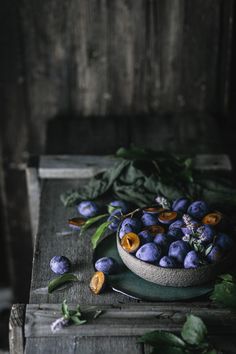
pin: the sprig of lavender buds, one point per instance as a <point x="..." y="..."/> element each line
<point x="163" y="202"/>
<point x="189" y="223"/>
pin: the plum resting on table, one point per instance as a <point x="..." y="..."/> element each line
<point x="107" y="265"/>
<point x="88" y="209"/>
<point x="60" y="264"/>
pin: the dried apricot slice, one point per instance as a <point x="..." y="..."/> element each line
<point x="212" y="218"/>
<point x="97" y="282"/>
<point x="153" y="210"/>
<point x="167" y="217"/>
<point x="155" y="229"/>
<point x="130" y="242"/>
<point x="76" y="223"/>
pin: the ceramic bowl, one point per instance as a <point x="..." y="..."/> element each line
<point x="177" y="277"/>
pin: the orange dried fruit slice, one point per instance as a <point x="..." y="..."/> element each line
<point x="130" y="242"/>
<point x="167" y="217"/>
<point x="155" y="229"/>
<point x="212" y="218"/>
<point x="97" y="282"/>
<point x="76" y="222"/>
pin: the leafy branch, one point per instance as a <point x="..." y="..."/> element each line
<point x="193" y="339"/>
<point x="224" y="292"/>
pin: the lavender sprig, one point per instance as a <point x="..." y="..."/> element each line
<point x="189" y="223"/>
<point x="69" y="316"/>
<point x="163" y="202"/>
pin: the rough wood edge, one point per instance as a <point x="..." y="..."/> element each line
<point x="128" y="319"/>
<point x="16" y="329"/>
<point x="86" y="166"/>
<point x="33" y="189"/>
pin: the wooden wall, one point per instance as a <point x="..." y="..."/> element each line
<point x="124" y="57"/>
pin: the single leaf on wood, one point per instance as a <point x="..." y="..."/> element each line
<point x="62" y="279"/>
<point x="194" y="330"/>
<point x="99" y="233"/>
<point x="76" y="320"/>
<point x="91" y="221"/>
<point x="160" y="338"/>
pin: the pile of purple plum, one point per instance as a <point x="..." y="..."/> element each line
<point x="181" y="234"/>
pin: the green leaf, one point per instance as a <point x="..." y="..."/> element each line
<point x="97" y="314"/>
<point x="65" y="310"/>
<point x="91" y="221"/>
<point x="224" y="293"/>
<point x="62" y="279"/>
<point x="194" y="330"/>
<point x="99" y="233"/>
<point x="76" y="320"/>
<point x="160" y="337"/>
<point x="212" y="351"/>
<point x="226" y="277"/>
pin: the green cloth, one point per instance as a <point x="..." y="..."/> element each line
<point x="139" y="180"/>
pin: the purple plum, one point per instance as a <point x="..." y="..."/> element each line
<point x="149" y="252"/>
<point x="145" y="236"/>
<point x="198" y="209"/>
<point x="118" y="204"/>
<point x="88" y="209"/>
<point x="125" y="230"/>
<point x="162" y="241"/>
<point x="60" y="264"/>
<point x="180" y="205"/>
<point x="224" y="241"/>
<point x="215" y="254"/>
<point x="206" y="234"/>
<point x="107" y="265"/>
<point x="178" y="250"/>
<point x="134" y="223"/>
<point x="167" y="262"/>
<point x="177" y="224"/>
<point x="149" y="219"/>
<point x="175" y="234"/>
<point x="115" y="219"/>
<point x="191" y="260"/>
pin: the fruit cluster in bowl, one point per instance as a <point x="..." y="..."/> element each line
<point x="182" y="234"/>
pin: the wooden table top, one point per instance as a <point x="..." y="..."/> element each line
<point x="124" y="319"/>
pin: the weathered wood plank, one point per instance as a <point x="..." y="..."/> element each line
<point x="53" y="219"/>
<point x="33" y="189"/>
<point x="16" y="329"/>
<point x="86" y="345"/>
<point x="128" y="319"/>
<point x="86" y="166"/>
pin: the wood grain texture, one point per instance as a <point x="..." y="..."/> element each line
<point x="128" y="319"/>
<point x="91" y="345"/>
<point x="101" y="57"/>
<point x="53" y="219"/>
<point x="16" y="329"/>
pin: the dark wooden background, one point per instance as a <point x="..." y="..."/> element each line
<point x="89" y="76"/>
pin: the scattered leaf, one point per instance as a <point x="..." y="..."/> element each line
<point x="194" y="330"/>
<point x="160" y="337"/>
<point x="99" y="233"/>
<point x="62" y="279"/>
<point x="91" y="221"/>
<point x="65" y="310"/>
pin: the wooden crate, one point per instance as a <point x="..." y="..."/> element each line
<point x="124" y="319"/>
